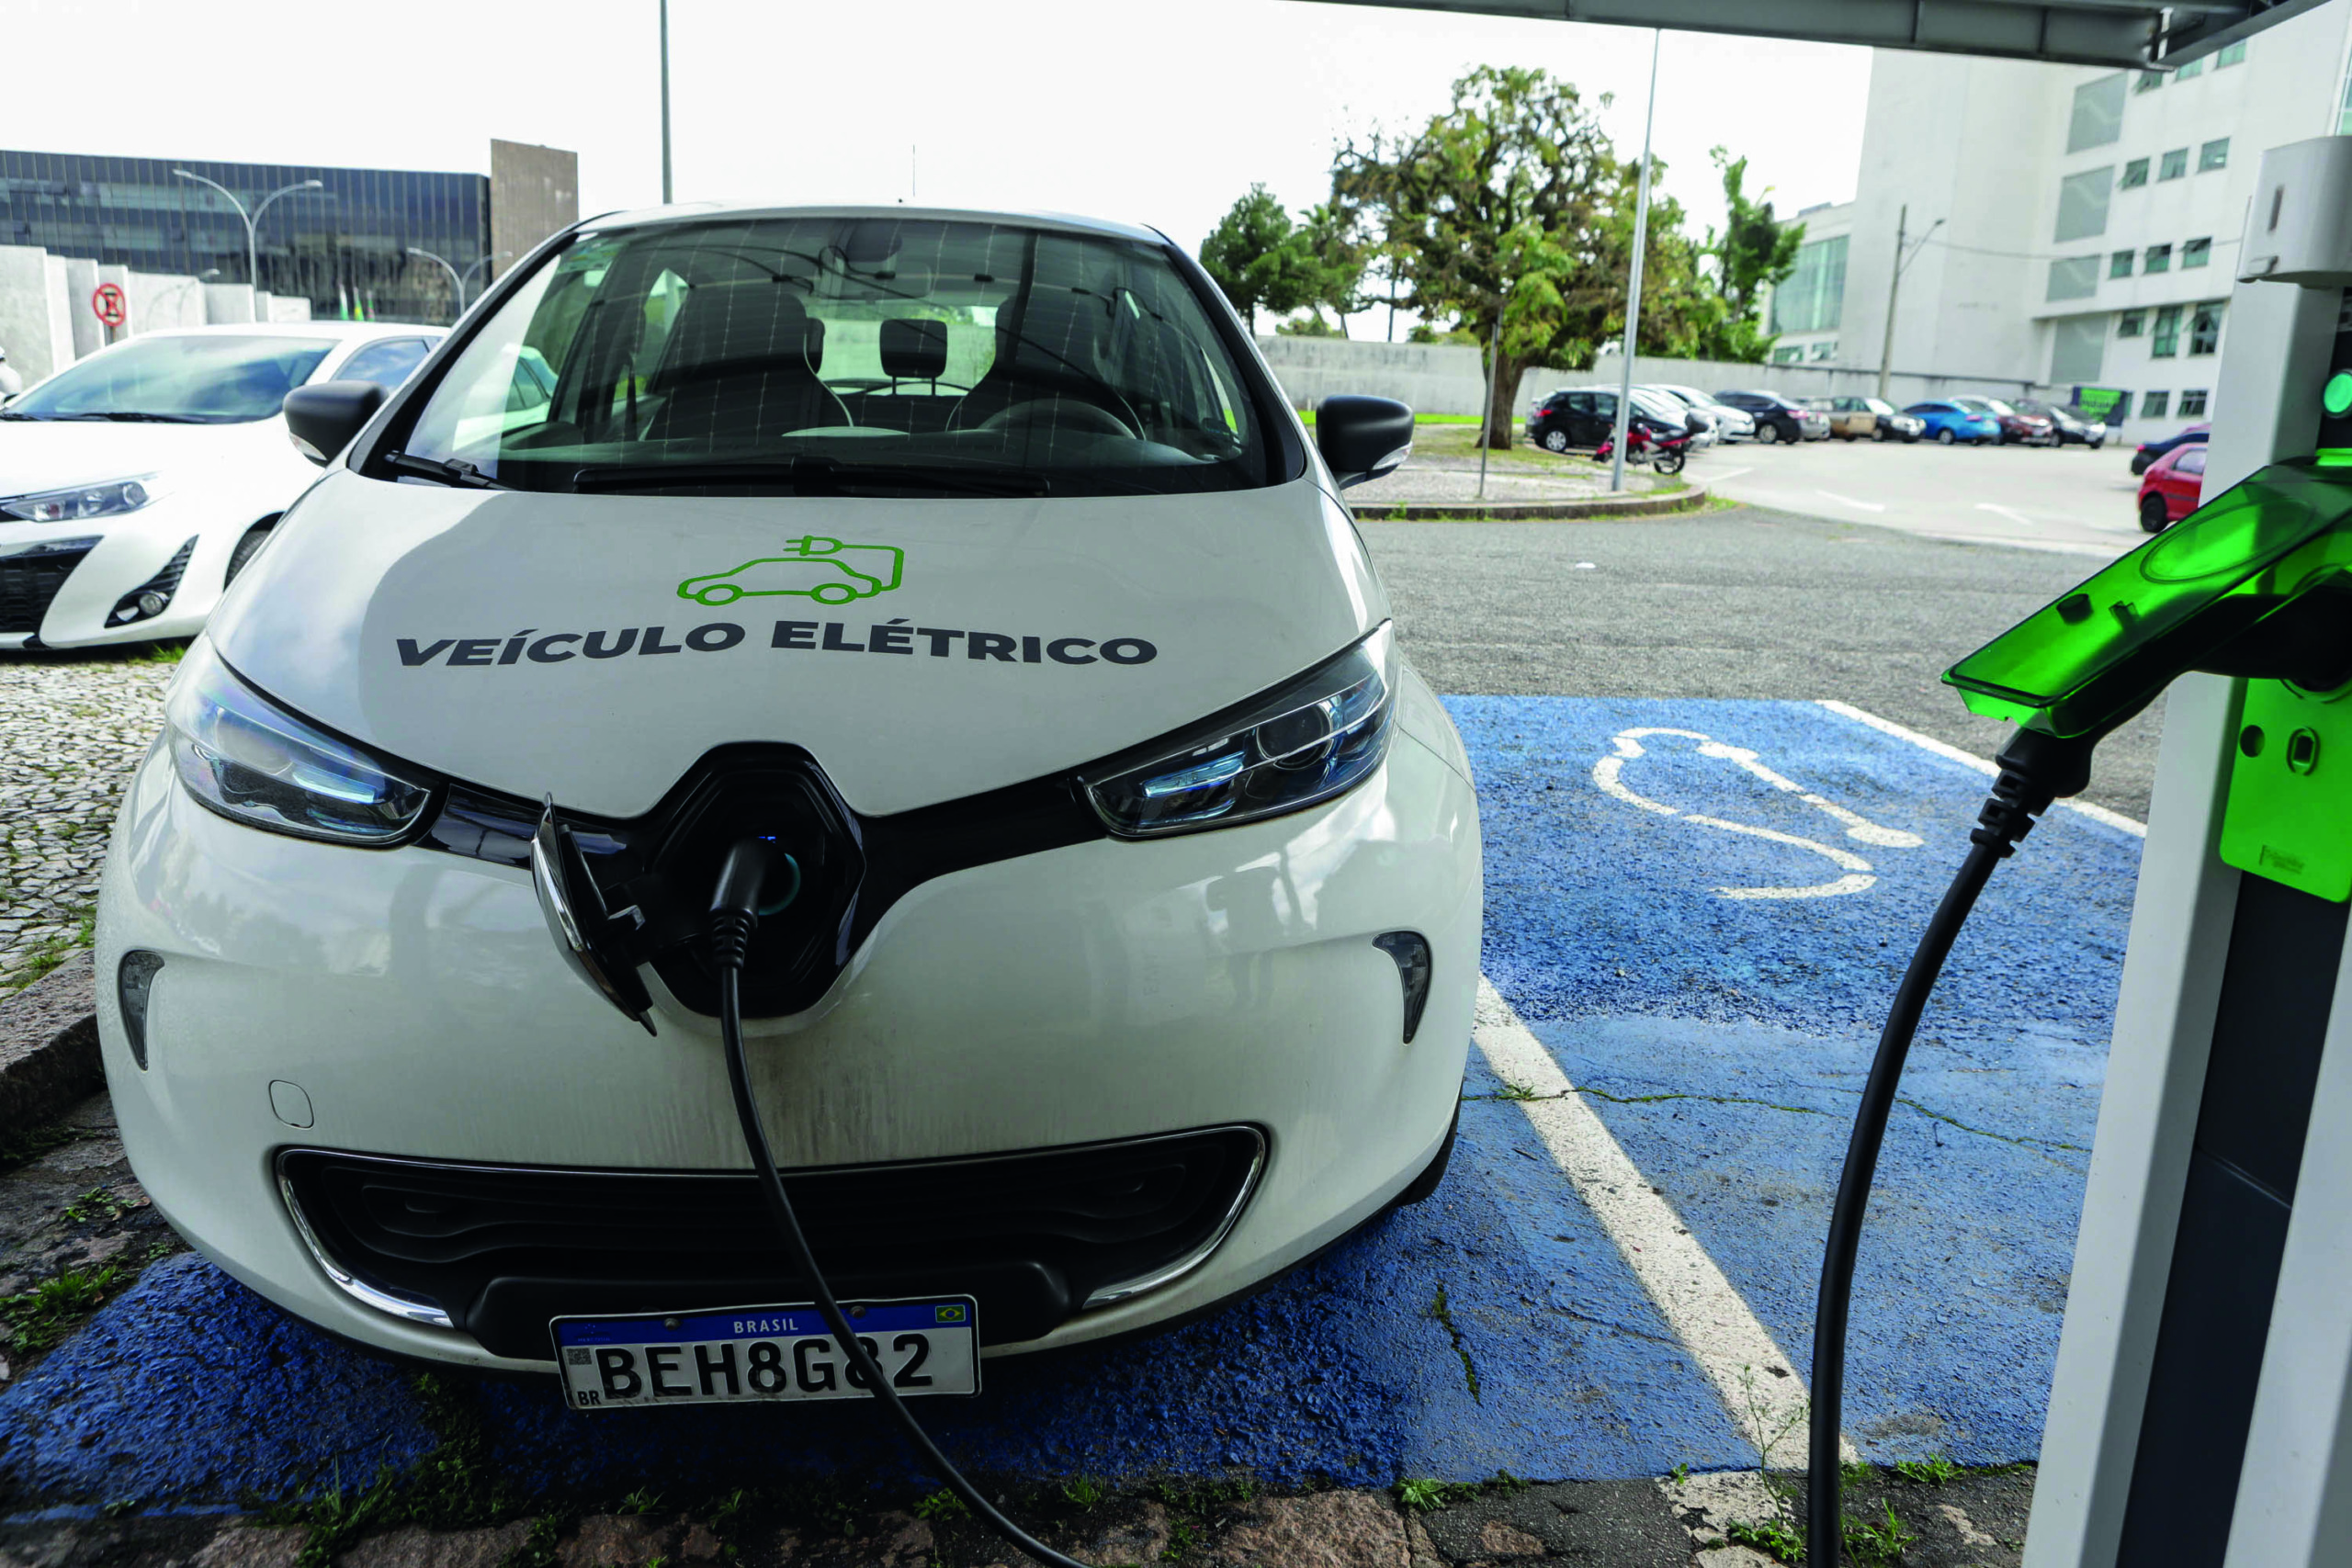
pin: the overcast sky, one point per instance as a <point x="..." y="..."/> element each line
<point x="1159" y="114"/>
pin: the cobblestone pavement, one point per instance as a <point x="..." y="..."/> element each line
<point x="70" y="731"/>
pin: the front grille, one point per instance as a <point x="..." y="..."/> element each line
<point x="1036" y="1236"/>
<point x="30" y="576"/>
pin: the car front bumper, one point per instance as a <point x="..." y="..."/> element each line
<point x="125" y="552"/>
<point x="410" y="1003"/>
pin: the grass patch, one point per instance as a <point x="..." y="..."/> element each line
<point x="162" y="653"/>
<point x="37" y="1319"/>
<point x="941" y="1504"/>
<point x="50" y="952"/>
<point x="1306" y="417"/>
<point x="1933" y="1471"/>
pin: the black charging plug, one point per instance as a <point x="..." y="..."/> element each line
<point x="751" y="866"/>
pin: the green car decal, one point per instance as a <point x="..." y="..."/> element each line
<point x="820" y="568"/>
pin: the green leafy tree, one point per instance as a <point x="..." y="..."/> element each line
<point x="1337" y="254"/>
<point x="1512" y="211"/>
<point x="1754" y="253"/>
<point x="1258" y="258"/>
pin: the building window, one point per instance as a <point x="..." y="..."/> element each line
<point x="2175" y="165"/>
<point x="2152" y="404"/>
<point x="1789" y="355"/>
<point x="2196" y="253"/>
<point x="2099" y="113"/>
<point x="2082" y="204"/>
<point x="2159" y="259"/>
<point x="2194" y="68"/>
<point x="2131" y="323"/>
<point x="2149" y="82"/>
<point x="2119" y="265"/>
<point x="2167" y="341"/>
<point x="2078" y="345"/>
<point x="2192" y="403"/>
<point x="1825" y="349"/>
<point x="2135" y="173"/>
<point x="2205" y="328"/>
<point x="2214" y="154"/>
<point x="2235" y="54"/>
<point x="2074" y="278"/>
<point x="1813" y="297"/>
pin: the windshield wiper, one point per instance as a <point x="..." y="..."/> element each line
<point x="452" y="472"/>
<point x="806" y="476"/>
<point x="137" y="416"/>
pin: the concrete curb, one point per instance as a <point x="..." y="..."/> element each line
<point x="49" y="1044"/>
<point x="1693" y="498"/>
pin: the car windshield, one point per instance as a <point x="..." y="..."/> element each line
<point x="179" y="380"/>
<point x="859" y="355"/>
<point x="1875" y="406"/>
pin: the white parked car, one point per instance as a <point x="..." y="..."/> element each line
<point x="1731" y="425"/>
<point x="136" y="482"/>
<point x="1120" y="876"/>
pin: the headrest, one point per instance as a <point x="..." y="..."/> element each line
<point x="728" y="326"/>
<point x="914" y="351"/>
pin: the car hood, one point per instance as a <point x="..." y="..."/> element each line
<point x="455" y="629"/>
<point x="42" y="453"/>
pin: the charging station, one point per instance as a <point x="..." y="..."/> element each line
<point x="2204" y="1381"/>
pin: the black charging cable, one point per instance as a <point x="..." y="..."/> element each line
<point x="2036" y="769"/>
<point x="741" y="895"/>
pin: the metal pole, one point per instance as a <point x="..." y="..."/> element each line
<point x="1893" y="288"/>
<point x="666" y="196"/>
<point x="1485" y="416"/>
<point x="1634" y="281"/>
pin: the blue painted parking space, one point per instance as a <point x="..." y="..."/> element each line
<point x="1722" y="1035"/>
<point x="1724" y="1039"/>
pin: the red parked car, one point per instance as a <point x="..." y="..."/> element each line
<point x="2168" y="490"/>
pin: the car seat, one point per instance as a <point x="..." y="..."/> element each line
<point x="740" y="365"/>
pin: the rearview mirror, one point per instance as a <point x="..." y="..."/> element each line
<point x="323" y="420"/>
<point x="1362" y="438"/>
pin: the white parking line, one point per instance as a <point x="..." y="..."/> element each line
<point x="1969" y="760"/>
<point x="1759" y="1387"/>
<point x="2011" y="512"/>
<point x="1849" y="501"/>
<point x="1726" y="474"/>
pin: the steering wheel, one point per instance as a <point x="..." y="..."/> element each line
<point x="1071" y="411"/>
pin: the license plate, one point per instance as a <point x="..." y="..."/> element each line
<point x="765" y="1354"/>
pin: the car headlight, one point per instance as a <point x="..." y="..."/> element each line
<point x="73" y="505"/>
<point x="251" y="761"/>
<point x="1307" y="740"/>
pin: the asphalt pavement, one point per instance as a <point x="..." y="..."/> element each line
<point x="2069" y="500"/>
<point x="1737" y="603"/>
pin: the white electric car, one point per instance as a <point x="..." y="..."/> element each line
<point x="1137" y="924"/>
<point x="136" y="482"/>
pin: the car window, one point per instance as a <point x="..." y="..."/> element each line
<point x="1875" y="406"/>
<point x="1581" y="402"/>
<point x="2190" y="461"/>
<point x="922" y="347"/>
<point x="387" y="363"/>
<point x="196" y="379"/>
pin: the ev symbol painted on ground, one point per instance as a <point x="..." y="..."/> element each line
<point x="1626" y="745"/>
<point x="817" y="568"/>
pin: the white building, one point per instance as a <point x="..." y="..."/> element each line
<point x="2071" y="227"/>
<point x="1807" y="308"/>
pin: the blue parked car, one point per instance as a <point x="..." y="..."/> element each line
<point x="1949" y="422"/>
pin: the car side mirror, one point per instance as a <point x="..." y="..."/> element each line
<point x="1362" y="438"/>
<point x="324" y="418"/>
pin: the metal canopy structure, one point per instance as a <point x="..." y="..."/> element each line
<point x="2129" y="34"/>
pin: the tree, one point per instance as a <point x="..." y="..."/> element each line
<point x="1754" y="253"/>
<point x="1259" y="259"/>
<point x="1332" y="241"/>
<point x="1500" y="213"/>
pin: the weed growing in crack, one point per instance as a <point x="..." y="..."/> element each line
<point x="1444" y="1314"/>
<point x="941" y="1504"/>
<point x="37" y="1319"/>
<point x="1933" y="1471"/>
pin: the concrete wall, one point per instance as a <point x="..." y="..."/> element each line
<point x="288" y="309"/>
<point x="1433" y="377"/>
<point x="81" y="282"/>
<point x="162" y="300"/>
<point x="227" y="303"/>
<point x="534" y="192"/>
<point x="35" y="334"/>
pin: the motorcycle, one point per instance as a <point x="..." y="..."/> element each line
<point x="1666" y="453"/>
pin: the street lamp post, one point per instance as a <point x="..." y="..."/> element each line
<point x="479" y="261"/>
<point x="1634" y="281"/>
<point x="1894" y="292"/>
<point x="457" y="282"/>
<point x="666" y="196"/>
<point x="253" y="219"/>
<point x="175" y="293"/>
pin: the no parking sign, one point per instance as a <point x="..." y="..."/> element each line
<point x="112" y="309"/>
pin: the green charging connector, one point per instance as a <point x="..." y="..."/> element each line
<point x="2088" y="660"/>
<point x="2255" y="583"/>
